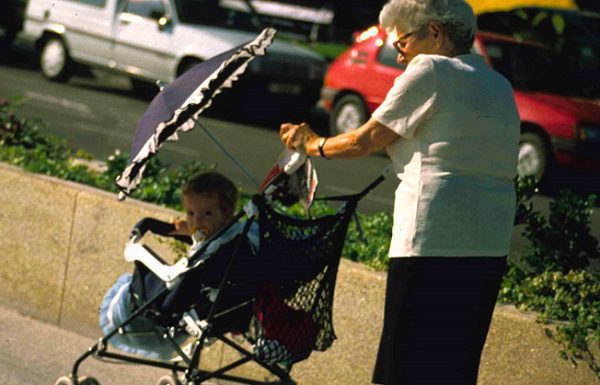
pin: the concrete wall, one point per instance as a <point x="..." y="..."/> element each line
<point x="62" y="246"/>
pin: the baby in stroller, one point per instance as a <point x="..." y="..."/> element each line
<point x="265" y="274"/>
<point x="209" y="200"/>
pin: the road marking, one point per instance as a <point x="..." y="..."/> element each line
<point x="71" y="105"/>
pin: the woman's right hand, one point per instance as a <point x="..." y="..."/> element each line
<point x="297" y="137"/>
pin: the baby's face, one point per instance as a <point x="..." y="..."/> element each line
<point x="203" y="213"/>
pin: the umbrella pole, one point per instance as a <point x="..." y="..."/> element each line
<point x="229" y="155"/>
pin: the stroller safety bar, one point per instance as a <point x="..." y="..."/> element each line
<point x="155" y="226"/>
<point x="167" y="273"/>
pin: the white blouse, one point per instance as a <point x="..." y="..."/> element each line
<point x="456" y="157"/>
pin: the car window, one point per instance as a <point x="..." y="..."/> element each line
<point x="538" y="68"/>
<point x="97" y="3"/>
<point x="388" y="55"/>
<point x="209" y="12"/>
<point x="146" y="8"/>
<point x="289" y="18"/>
<point x="545" y="25"/>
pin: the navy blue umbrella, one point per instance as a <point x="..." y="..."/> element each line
<point x="177" y="106"/>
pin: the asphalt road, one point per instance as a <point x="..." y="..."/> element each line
<point x="100" y="115"/>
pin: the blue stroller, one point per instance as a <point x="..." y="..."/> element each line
<point x="266" y="276"/>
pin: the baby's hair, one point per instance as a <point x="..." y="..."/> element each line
<point x="213" y="183"/>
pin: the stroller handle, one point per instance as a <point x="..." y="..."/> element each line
<point x="157" y="227"/>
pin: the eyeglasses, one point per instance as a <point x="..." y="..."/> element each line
<point x="400" y="43"/>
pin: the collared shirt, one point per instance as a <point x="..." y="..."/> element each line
<point x="456" y="157"/>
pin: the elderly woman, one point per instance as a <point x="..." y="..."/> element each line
<point x="451" y="128"/>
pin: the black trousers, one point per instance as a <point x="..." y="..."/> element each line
<point x="437" y="315"/>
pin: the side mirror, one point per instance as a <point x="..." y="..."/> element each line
<point x="161" y="19"/>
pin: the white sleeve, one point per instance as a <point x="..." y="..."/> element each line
<point x="410" y="99"/>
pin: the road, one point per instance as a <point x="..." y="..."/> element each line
<point x="100" y="115"/>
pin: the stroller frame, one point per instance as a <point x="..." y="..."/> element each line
<point x="190" y="366"/>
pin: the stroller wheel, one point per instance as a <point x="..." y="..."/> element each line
<point x="67" y="380"/>
<point x="64" y="380"/>
<point x="88" y="381"/>
<point x="169" y="379"/>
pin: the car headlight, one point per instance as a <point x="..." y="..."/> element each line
<point x="588" y="133"/>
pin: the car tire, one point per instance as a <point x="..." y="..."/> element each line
<point x="348" y="113"/>
<point x="187" y="65"/>
<point x="55" y="61"/>
<point x="533" y="156"/>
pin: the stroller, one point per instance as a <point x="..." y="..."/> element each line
<point x="266" y="276"/>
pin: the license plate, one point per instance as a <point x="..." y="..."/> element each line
<point x="284" y="88"/>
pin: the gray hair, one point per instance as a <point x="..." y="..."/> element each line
<point x="456" y="17"/>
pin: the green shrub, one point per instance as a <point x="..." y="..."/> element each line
<point x="161" y="183"/>
<point x="22" y="144"/>
<point x="552" y="277"/>
<point x="368" y="240"/>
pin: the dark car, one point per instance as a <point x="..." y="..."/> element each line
<point x="571" y="36"/>
<point x="11" y="22"/>
<point x="559" y="123"/>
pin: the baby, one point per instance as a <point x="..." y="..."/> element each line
<point x="209" y="200"/>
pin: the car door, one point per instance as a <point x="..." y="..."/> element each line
<point x="143" y="36"/>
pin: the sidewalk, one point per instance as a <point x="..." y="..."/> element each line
<point x="35" y="352"/>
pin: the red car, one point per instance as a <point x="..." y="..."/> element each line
<point x="559" y="105"/>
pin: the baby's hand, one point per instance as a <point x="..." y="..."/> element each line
<point x="181" y="227"/>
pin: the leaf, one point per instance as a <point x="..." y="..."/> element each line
<point x="539" y="18"/>
<point x="558" y="21"/>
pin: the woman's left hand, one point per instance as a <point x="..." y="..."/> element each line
<point x="296" y="137"/>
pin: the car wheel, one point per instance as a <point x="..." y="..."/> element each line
<point x="188" y="65"/>
<point x="533" y="156"/>
<point x="55" y="62"/>
<point x="348" y="113"/>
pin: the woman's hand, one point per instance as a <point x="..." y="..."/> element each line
<point x="297" y="137"/>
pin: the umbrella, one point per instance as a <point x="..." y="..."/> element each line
<point x="177" y="106"/>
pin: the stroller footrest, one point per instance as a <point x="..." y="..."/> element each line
<point x="143" y="254"/>
<point x="193" y="326"/>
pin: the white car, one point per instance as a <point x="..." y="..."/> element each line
<point x="157" y="40"/>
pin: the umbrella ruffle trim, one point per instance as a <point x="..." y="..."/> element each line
<point x="183" y="119"/>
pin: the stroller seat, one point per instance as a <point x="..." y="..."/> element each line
<point x="191" y="293"/>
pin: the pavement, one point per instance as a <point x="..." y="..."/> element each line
<point x="35" y="352"/>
